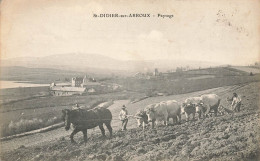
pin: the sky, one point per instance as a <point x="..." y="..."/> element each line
<point x="223" y="31"/>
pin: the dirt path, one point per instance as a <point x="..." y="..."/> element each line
<point x="50" y="136"/>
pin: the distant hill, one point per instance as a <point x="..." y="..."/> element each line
<point x="37" y="75"/>
<point x="214" y="72"/>
<point x="100" y="64"/>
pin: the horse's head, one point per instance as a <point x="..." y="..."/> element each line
<point x="66" y="118"/>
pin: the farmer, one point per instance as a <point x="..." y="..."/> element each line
<point x="236" y="102"/>
<point x="123" y="117"/>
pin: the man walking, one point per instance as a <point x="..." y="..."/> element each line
<point x="123" y="117"/>
<point x="236" y="102"/>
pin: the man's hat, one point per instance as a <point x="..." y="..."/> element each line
<point x="123" y="106"/>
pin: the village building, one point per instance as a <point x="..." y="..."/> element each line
<point x="76" y="81"/>
<point x="65" y="91"/>
<point x="156" y="72"/>
<point x="79" y="85"/>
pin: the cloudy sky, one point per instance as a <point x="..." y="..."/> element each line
<point x="225" y="31"/>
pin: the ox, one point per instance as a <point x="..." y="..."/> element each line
<point x="208" y="102"/>
<point x="193" y="100"/>
<point x="163" y="111"/>
<point x="188" y="107"/>
<point x="141" y="118"/>
<point x="200" y="109"/>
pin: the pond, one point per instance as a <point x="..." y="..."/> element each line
<point x="19" y="84"/>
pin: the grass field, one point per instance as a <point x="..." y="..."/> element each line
<point x="179" y="85"/>
<point x="45" y="111"/>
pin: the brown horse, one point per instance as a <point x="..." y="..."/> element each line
<point x="83" y="119"/>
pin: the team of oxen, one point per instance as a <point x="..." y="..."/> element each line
<point x="171" y="109"/>
<point x="83" y="119"/>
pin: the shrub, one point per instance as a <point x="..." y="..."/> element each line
<point x="25" y="125"/>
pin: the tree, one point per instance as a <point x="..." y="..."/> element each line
<point x="179" y="69"/>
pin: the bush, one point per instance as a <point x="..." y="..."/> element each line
<point x="25" y="125"/>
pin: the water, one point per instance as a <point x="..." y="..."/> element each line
<point x="19" y="84"/>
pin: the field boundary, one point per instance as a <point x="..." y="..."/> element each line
<point x="45" y="129"/>
<point x="140" y="99"/>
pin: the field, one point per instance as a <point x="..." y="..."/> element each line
<point x="227" y="137"/>
<point x="25" y="109"/>
<point x="231" y="137"/>
<point x="181" y="84"/>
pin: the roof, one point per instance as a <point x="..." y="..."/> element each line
<point x="69" y="89"/>
<point x="78" y="78"/>
<point x="91" y="83"/>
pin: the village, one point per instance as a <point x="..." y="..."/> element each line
<point x="82" y="85"/>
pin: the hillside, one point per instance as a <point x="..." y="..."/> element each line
<point x="248" y="69"/>
<point x="218" y="71"/>
<point x="227" y="137"/>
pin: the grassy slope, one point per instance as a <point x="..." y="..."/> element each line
<point x="253" y="69"/>
<point x="217" y="138"/>
<point x="179" y="85"/>
<point x="46" y="108"/>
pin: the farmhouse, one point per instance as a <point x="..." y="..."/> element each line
<point x="79" y="85"/>
<point x="85" y="85"/>
<point x="80" y="82"/>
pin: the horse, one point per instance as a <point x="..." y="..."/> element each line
<point x="83" y="119"/>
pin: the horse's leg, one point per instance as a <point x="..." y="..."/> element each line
<point x="108" y="125"/>
<point x="85" y="135"/>
<point x="199" y="115"/>
<point x="102" y="129"/>
<point x="153" y="123"/>
<point x="75" y="131"/>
